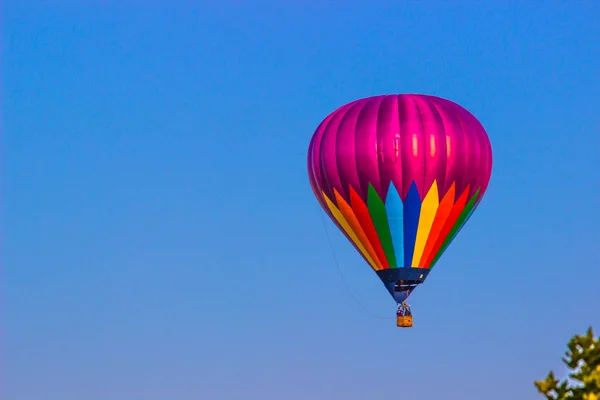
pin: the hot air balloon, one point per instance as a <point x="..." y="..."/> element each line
<point x="400" y="175"/>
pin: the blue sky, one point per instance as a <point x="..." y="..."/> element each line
<point x="161" y="239"/>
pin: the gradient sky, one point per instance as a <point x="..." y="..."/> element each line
<point x="161" y="240"/>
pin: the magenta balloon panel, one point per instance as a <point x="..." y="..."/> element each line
<point x="400" y="175"/>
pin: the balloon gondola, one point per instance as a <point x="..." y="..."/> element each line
<point x="400" y="175"/>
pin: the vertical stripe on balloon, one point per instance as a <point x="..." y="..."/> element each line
<point x="342" y="221"/>
<point x="427" y="215"/>
<point x="362" y="214"/>
<point x="412" y="209"/>
<point x="395" y="214"/>
<point x="464" y="216"/>
<point x="380" y="220"/>
<point x="457" y="209"/>
<point x="349" y="216"/>
<point x="441" y="216"/>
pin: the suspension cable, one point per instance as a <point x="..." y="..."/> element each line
<point x="350" y="292"/>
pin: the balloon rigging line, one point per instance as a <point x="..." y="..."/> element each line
<point x="337" y="264"/>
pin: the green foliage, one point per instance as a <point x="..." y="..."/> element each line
<point x="583" y="359"/>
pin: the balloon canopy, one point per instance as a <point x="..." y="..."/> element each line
<point x="400" y="175"/>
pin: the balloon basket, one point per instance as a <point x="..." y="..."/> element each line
<point x="404" y="321"/>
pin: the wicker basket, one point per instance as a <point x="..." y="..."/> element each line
<point x="404" y="321"/>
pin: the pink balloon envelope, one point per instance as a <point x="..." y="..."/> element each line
<point x="400" y="175"/>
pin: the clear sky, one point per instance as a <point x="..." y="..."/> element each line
<point x="161" y="240"/>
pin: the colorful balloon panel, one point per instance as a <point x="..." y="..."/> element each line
<point x="400" y="175"/>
